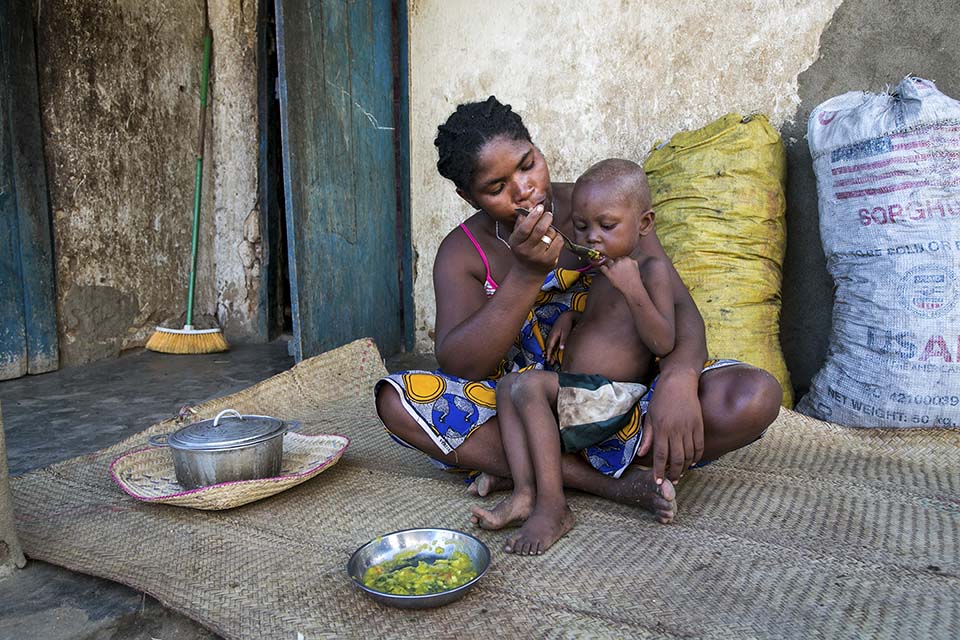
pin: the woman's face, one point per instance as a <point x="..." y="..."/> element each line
<point x="509" y="174"/>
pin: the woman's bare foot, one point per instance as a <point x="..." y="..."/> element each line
<point x="637" y="487"/>
<point x="540" y="531"/>
<point x="509" y="511"/>
<point x="485" y="484"/>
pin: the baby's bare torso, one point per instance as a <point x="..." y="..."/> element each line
<point x="605" y="340"/>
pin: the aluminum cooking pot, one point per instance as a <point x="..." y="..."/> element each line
<point x="226" y="448"/>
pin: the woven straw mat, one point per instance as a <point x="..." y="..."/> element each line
<point x="815" y="531"/>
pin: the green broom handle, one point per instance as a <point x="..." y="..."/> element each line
<point x="198" y="174"/>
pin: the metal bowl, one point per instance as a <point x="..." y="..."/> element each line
<point x="384" y="548"/>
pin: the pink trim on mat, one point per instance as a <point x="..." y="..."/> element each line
<point x="311" y="470"/>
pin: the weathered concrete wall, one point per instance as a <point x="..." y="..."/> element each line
<point x="119" y="86"/>
<point x="869" y="45"/>
<point x="592" y="80"/>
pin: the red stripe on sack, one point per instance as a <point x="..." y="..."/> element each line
<point x="914" y="159"/>
<point x="878" y="190"/>
<point x="861" y="179"/>
<point x="923" y="144"/>
<point x="905" y="146"/>
<point x="896" y="187"/>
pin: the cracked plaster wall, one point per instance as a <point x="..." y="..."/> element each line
<point x="119" y="88"/>
<point x="592" y="80"/>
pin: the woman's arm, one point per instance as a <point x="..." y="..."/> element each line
<point x="674" y="418"/>
<point x="473" y="332"/>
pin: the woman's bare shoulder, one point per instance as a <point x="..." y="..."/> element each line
<point x="456" y="251"/>
<point x="458" y="277"/>
<point x="456" y="238"/>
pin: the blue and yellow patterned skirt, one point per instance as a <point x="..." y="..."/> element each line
<point x="449" y="409"/>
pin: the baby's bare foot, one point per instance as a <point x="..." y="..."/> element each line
<point x="637" y="487"/>
<point x="540" y="531"/>
<point x="485" y="484"/>
<point x="510" y="511"/>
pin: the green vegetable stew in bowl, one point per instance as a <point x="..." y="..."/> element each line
<point x="419" y="568"/>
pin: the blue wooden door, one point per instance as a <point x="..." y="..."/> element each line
<point x="345" y="231"/>
<point x="28" y="332"/>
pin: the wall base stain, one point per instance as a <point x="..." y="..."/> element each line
<point x="119" y="87"/>
<point x="99" y="317"/>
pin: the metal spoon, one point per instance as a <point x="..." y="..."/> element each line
<point x="578" y="249"/>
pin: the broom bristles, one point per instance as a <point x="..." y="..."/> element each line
<point x="185" y="341"/>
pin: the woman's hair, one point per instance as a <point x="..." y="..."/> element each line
<point x="471" y="126"/>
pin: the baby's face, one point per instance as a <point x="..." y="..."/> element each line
<point x="604" y="220"/>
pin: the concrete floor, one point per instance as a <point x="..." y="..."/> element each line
<point x="59" y="415"/>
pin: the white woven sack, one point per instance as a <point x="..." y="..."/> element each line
<point x="888" y="180"/>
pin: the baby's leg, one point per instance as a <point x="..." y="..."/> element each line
<point x="517" y="507"/>
<point x="534" y="397"/>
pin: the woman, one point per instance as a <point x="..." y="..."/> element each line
<point x="500" y="280"/>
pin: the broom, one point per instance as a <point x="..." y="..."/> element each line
<point x="188" y="339"/>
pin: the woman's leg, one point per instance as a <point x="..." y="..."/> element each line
<point x="738" y="403"/>
<point x="483" y="451"/>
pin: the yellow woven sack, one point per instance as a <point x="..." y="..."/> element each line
<point x="718" y="194"/>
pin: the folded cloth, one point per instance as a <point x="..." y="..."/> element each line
<point x="592" y="408"/>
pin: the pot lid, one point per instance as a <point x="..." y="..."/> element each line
<point x="227" y="432"/>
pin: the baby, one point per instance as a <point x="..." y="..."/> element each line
<point x="606" y="355"/>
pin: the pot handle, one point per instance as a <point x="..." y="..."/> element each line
<point x="216" y="421"/>
<point x="159" y="440"/>
<point x="292" y="425"/>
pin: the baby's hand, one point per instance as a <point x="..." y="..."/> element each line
<point x="556" y="341"/>
<point x="623" y="273"/>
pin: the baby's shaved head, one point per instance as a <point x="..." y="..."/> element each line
<point x="626" y="177"/>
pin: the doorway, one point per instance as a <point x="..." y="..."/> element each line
<point x="28" y="328"/>
<point x="273" y="309"/>
<point x="335" y="174"/>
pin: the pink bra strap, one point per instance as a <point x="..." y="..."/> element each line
<point x="490" y="282"/>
